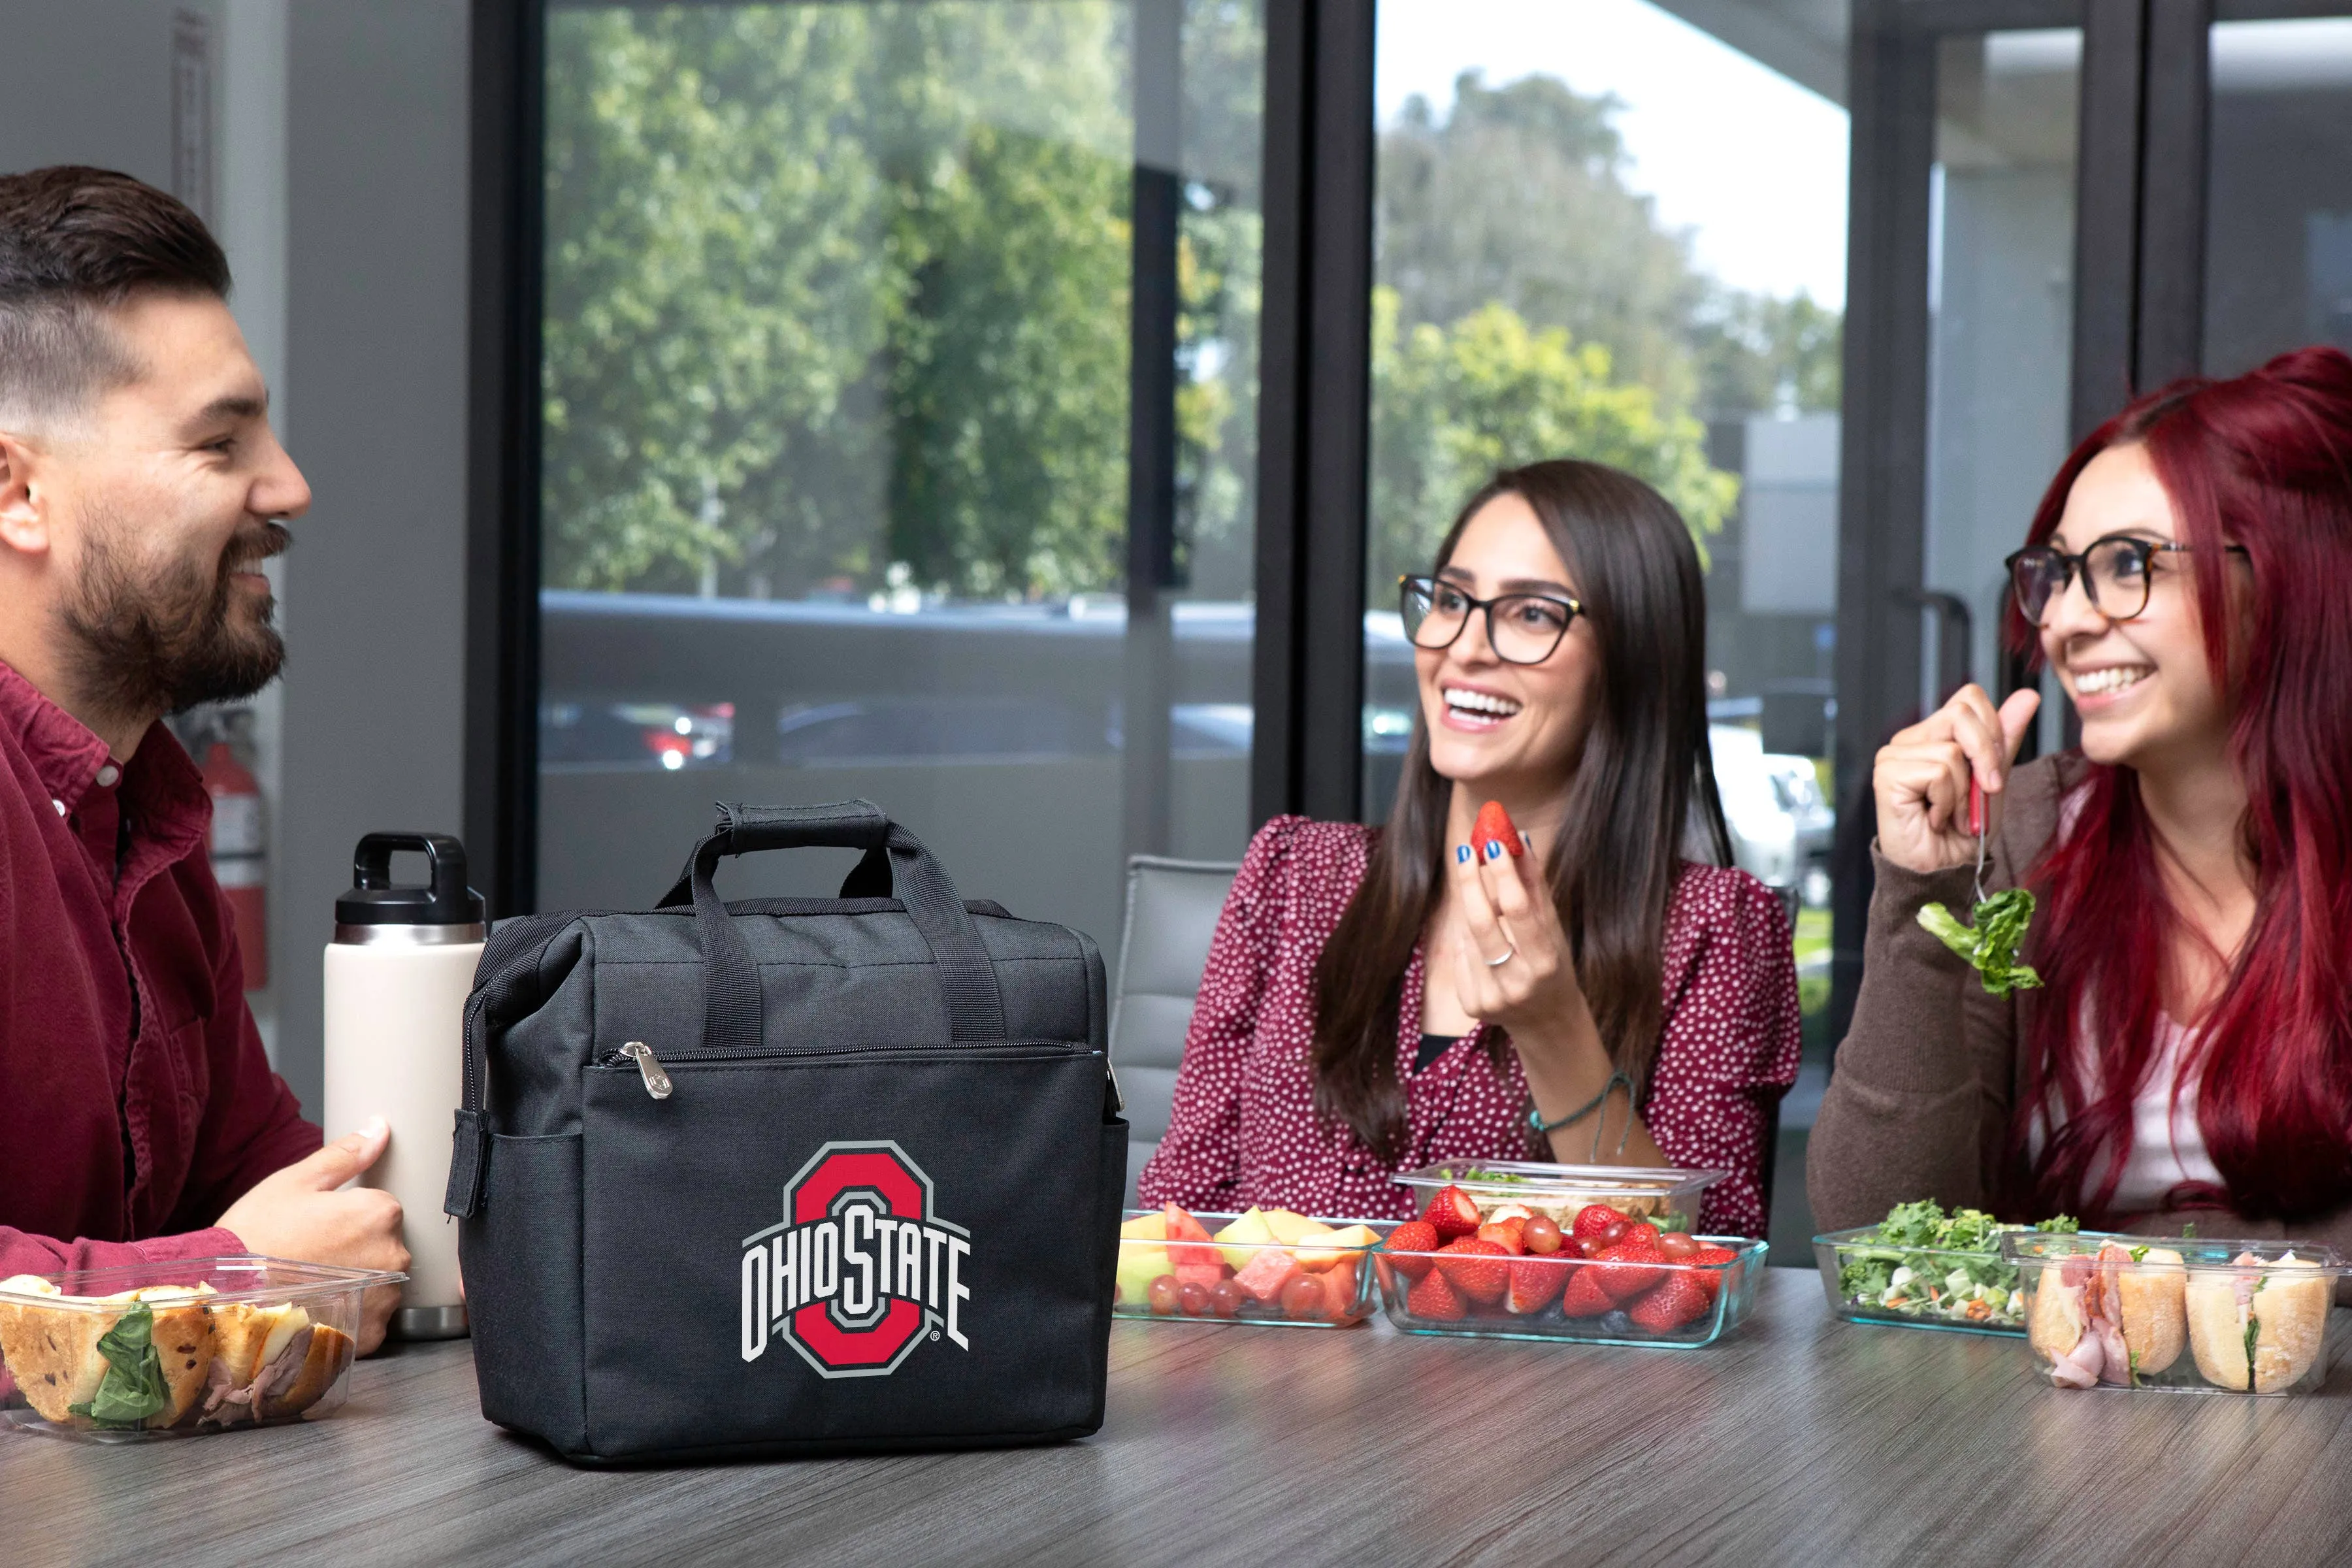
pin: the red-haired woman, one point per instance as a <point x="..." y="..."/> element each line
<point x="1378" y="1000"/>
<point x="2190" y="1048"/>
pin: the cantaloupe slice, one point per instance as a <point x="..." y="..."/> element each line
<point x="1242" y="1239"/>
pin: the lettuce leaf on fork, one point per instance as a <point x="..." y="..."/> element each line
<point x="1991" y="945"/>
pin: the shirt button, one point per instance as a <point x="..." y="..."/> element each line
<point x="60" y="805"/>
<point x="108" y="775"/>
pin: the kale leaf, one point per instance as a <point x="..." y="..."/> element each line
<point x="1991" y="945"/>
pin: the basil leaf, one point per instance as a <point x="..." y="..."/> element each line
<point x="133" y="1388"/>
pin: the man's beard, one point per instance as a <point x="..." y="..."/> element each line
<point x="146" y="647"/>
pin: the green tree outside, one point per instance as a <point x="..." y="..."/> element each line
<point x="835" y="289"/>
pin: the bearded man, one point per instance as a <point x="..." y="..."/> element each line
<point x="141" y="489"/>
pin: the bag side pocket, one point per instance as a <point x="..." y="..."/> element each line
<point x="1110" y="1189"/>
<point x="520" y="1254"/>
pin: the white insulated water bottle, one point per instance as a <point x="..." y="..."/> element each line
<point x="398" y="974"/>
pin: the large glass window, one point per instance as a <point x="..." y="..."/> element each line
<point x="2001" y="299"/>
<point x="1607" y="232"/>
<point x="840" y="391"/>
<point x="2278" y="249"/>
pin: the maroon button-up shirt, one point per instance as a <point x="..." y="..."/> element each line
<point x="135" y="1101"/>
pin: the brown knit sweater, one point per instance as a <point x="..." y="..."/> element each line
<point x="1928" y="1076"/>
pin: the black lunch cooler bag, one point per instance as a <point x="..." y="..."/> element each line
<point x="789" y="1175"/>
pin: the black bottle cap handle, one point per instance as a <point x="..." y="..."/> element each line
<point x="373" y="899"/>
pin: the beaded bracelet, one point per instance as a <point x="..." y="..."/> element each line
<point x="1542" y="1129"/>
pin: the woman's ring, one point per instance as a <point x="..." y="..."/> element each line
<point x="1498" y="962"/>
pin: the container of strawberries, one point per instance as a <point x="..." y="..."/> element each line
<point x="1587" y="1272"/>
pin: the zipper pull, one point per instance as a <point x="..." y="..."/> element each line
<point x="657" y="1082"/>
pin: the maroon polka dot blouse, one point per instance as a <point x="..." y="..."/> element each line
<point x="1243" y="1129"/>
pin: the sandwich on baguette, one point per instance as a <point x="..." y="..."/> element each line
<point x="138" y="1358"/>
<point x="2261" y="1325"/>
<point x="269" y="1363"/>
<point x="164" y="1355"/>
<point x="2114" y="1316"/>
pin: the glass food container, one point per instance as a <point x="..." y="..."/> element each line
<point x="179" y="1348"/>
<point x="2169" y="1314"/>
<point x="1871" y="1281"/>
<point x="1564" y="1297"/>
<point x="1264" y="1266"/>
<point x="1666" y="1198"/>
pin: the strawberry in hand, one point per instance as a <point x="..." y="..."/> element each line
<point x="1494" y="833"/>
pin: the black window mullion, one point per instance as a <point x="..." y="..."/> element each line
<point x="502" y="560"/>
<point x="2107" y="212"/>
<point x="1314" y="409"/>
<point x="1882" y="483"/>
<point x="2171" y="326"/>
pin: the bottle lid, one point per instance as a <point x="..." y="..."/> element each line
<point x="374" y="901"/>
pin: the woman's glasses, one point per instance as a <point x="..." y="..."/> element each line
<point x="2118" y="572"/>
<point x="1522" y="628"/>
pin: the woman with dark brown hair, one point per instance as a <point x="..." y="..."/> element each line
<point x="1572" y="988"/>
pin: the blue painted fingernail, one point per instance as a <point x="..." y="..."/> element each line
<point x="1462" y="854"/>
<point x="1494" y="849"/>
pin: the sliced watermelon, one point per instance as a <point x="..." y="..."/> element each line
<point x="1339" y="1288"/>
<point x="1183" y="1228"/>
<point x="1267" y="1273"/>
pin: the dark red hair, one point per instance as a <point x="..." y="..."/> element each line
<point x="2262" y="460"/>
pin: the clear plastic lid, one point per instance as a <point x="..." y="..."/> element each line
<point x="244" y="1278"/>
<point x="1637" y="1189"/>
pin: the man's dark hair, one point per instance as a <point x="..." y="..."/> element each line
<point x="76" y="243"/>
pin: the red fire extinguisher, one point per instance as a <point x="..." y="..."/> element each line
<point x="240" y="855"/>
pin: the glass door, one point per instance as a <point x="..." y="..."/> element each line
<point x="2000" y="293"/>
<point x="1617" y="230"/>
<point x="2278" y="222"/>
<point x="898" y="435"/>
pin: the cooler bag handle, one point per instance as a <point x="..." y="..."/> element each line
<point x="732" y="1010"/>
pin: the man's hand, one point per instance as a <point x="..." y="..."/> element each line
<point x="304" y="1214"/>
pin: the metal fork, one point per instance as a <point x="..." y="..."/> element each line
<point x="1977" y="827"/>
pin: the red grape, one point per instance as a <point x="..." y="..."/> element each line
<point x="1676" y="1245"/>
<point x="1163" y="1295"/>
<point x="1616" y="1231"/>
<point x="1303" y="1296"/>
<point x="1541" y="1235"/>
<point x="1194" y="1296"/>
<point x="1226" y="1299"/>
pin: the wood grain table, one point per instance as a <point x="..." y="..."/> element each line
<point x="1798" y="1440"/>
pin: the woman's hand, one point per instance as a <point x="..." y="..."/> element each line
<point x="1507" y="911"/>
<point x="1921" y="779"/>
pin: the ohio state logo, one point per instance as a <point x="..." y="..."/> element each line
<point x="860" y="1270"/>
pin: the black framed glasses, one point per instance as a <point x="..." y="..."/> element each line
<point x="2117" y="572"/>
<point x="1522" y="628"/>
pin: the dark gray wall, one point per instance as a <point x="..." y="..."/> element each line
<point x="88" y="82"/>
<point x="375" y="612"/>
